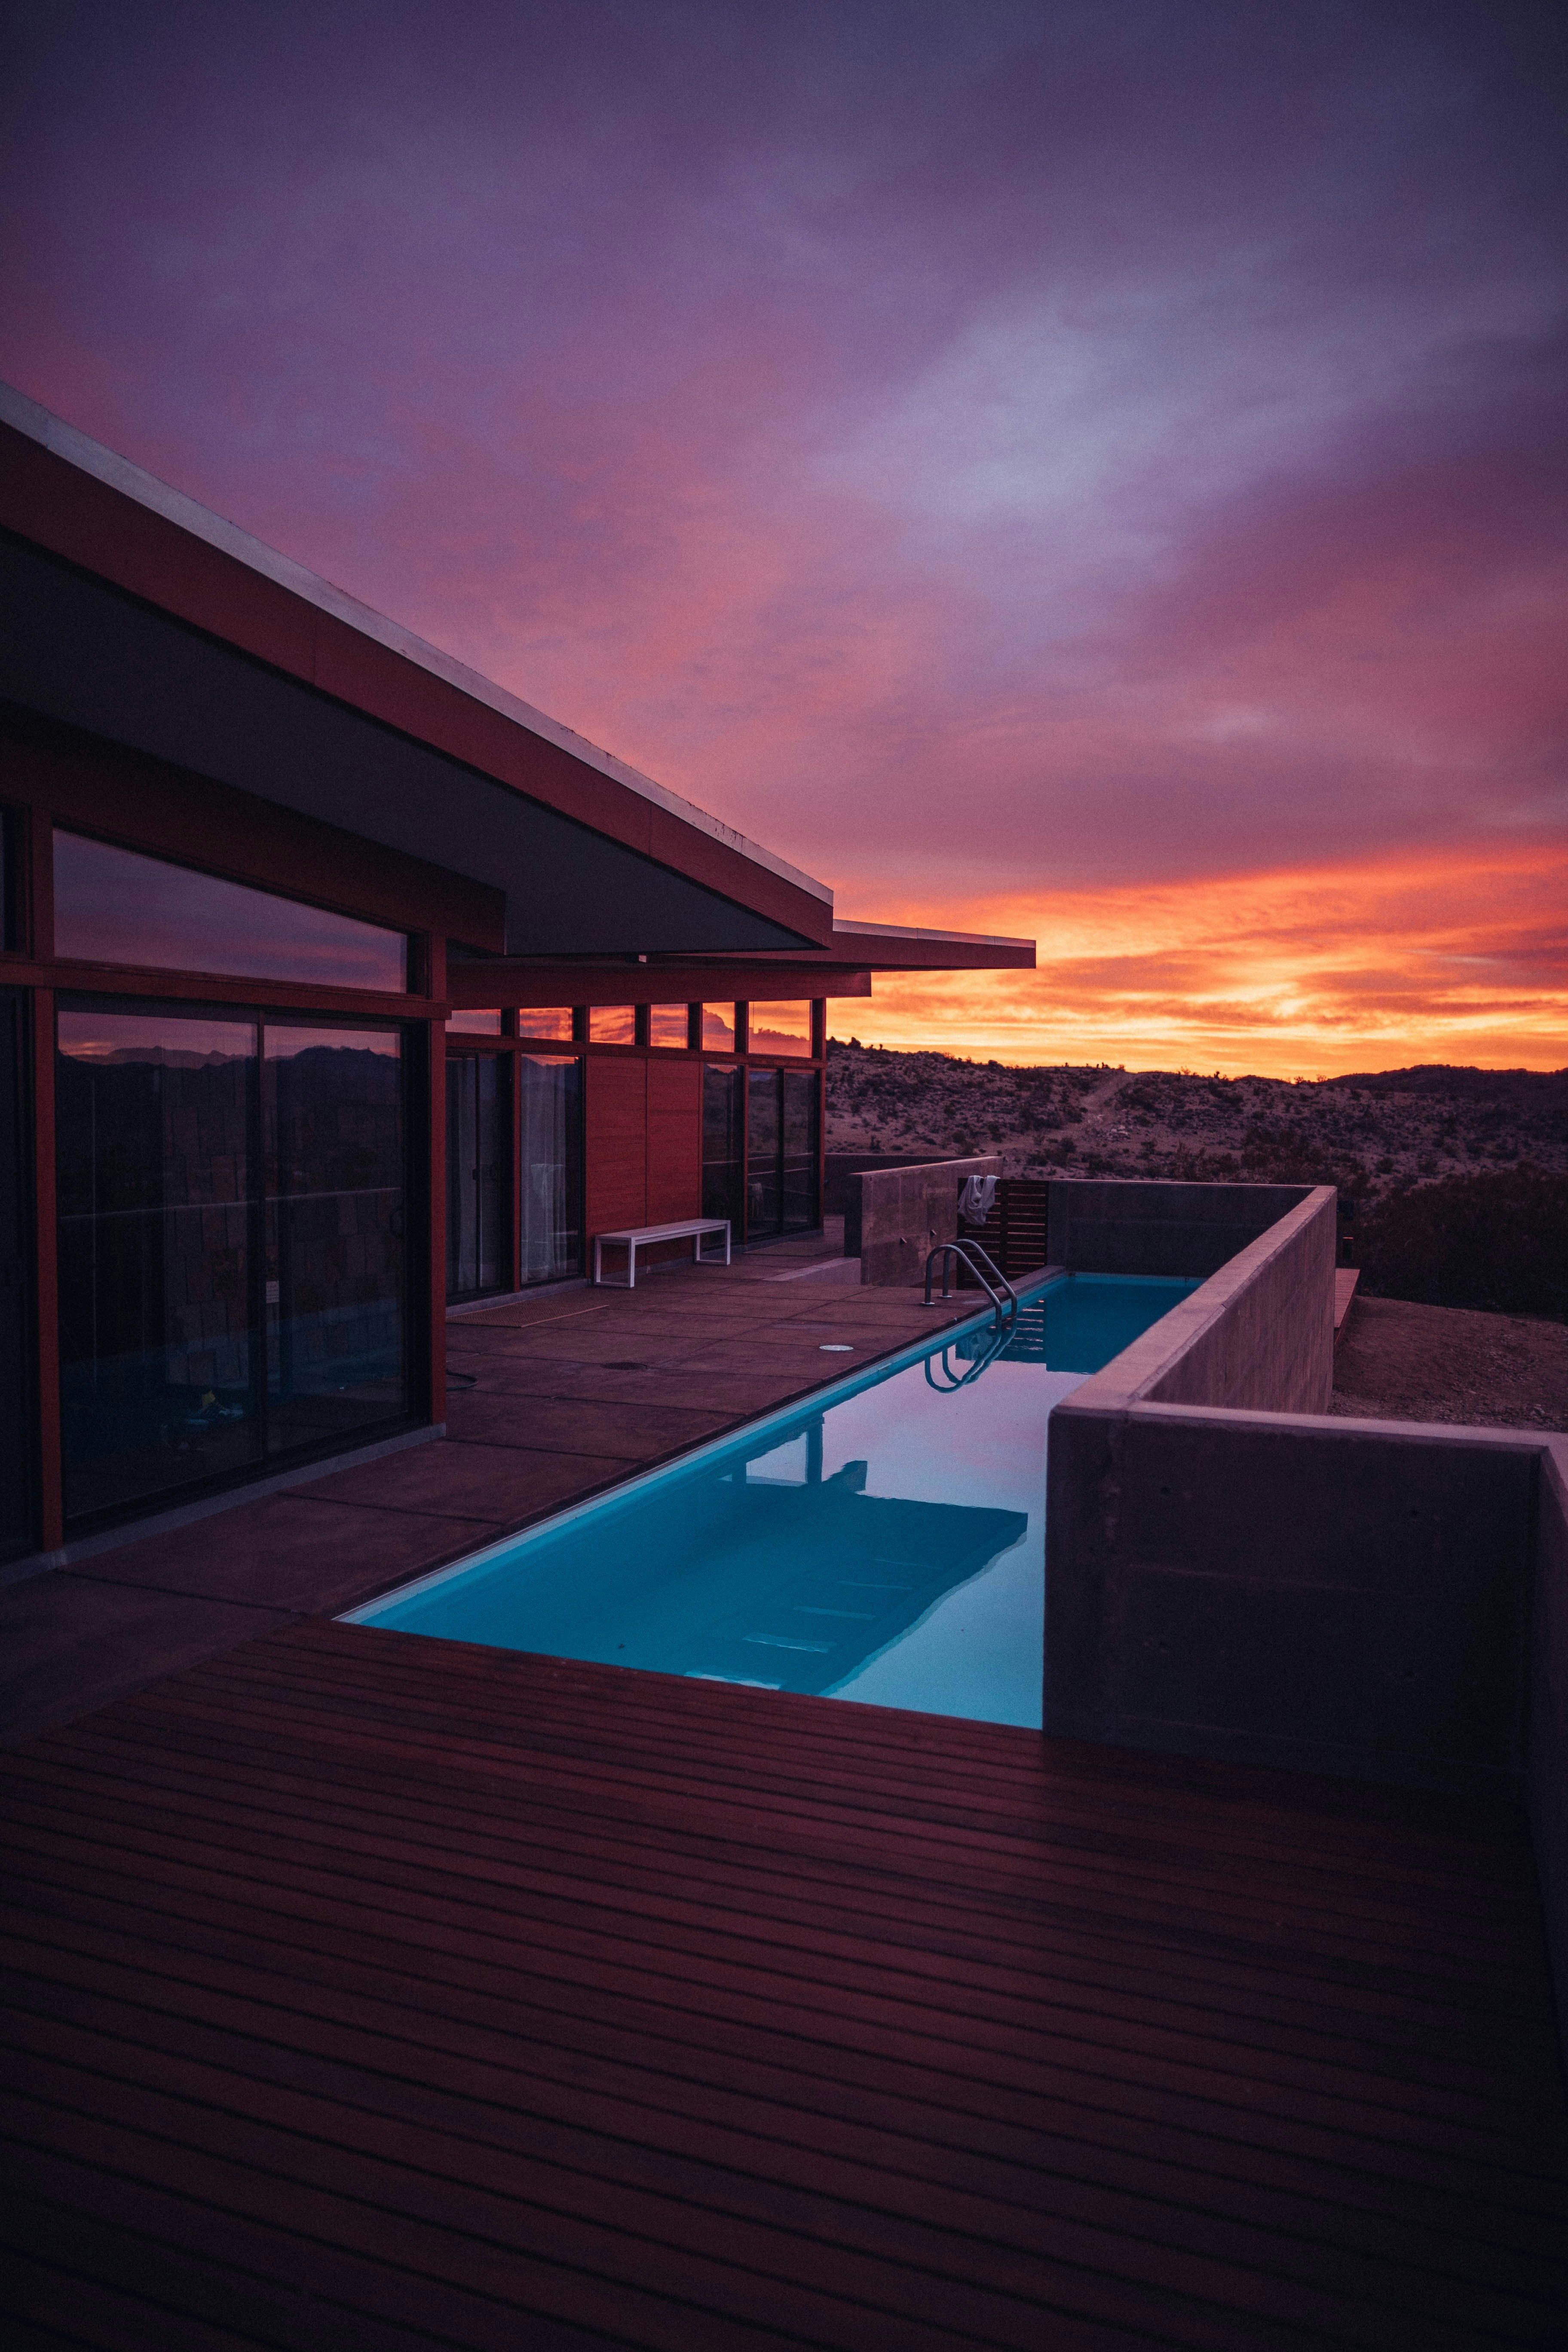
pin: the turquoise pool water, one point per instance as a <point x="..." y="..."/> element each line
<point x="884" y="1543"/>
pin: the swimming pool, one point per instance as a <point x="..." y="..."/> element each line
<point x="883" y="1542"/>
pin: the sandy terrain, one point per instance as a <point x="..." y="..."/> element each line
<point x="1401" y="1363"/>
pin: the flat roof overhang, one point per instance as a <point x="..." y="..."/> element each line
<point x="132" y="612"/>
<point x="844" y="969"/>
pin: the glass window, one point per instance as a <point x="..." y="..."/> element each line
<point x="799" y="1140"/>
<point x="114" y="906"/>
<point x="159" y="1235"/>
<point x="232" y="1247"/>
<point x="477" y="1241"/>
<point x="783" y="1133"/>
<point x="778" y="1028"/>
<point x="545" y="1022"/>
<point x="332" y="1135"/>
<point x="549" y="1106"/>
<point x="669" y="1024"/>
<point x="611" y="1024"/>
<point x="719" y="1028"/>
<point x="762" y="1152"/>
<point x="474" y="1025"/>
<point x="723" y="1191"/>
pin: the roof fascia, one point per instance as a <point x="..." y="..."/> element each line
<point x="488" y="982"/>
<point x="83" y="502"/>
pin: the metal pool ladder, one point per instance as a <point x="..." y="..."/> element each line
<point x="989" y="1275"/>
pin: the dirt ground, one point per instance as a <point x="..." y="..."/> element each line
<point x="1447" y="1363"/>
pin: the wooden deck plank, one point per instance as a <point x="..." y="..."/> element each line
<point x="569" y="1918"/>
<point x="986" y="2038"/>
<point x="1082" y="1972"/>
<point x="438" y="1994"/>
<point x="616" y="1761"/>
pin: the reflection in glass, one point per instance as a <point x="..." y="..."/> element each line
<point x="474" y="1025"/>
<point x="778" y="1028"/>
<point x="332" y="1118"/>
<point x="667" y="1024"/>
<point x="799" y="1158"/>
<point x="783" y="1126"/>
<point x="546" y="1022"/>
<point x="611" y="1024"/>
<point x="477" y="1092"/>
<point x="762" y="1195"/>
<point x="719" y="1028"/>
<point x="722" y="1171"/>
<point x="550" y="1166"/>
<point x="158" y="1225"/>
<point x="114" y="906"/>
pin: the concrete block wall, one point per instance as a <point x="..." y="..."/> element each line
<point x="902" y="1213"/>
<point x="1326" y="1596"/>
<point x="1548" y="1777"/>
<point x="1233" y="1573"/>
<point x="1260" y="1332"/>
<point x="1122" y="1225"/>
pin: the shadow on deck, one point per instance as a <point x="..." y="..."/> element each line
<point x="373" y="1992"/>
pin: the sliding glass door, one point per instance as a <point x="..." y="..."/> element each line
<point x="724" y="1128"/>
<point x="233" y="1246"/>
<point x="18" y="1425"/>
<point x="783" y="1128"/>
<point x="477" y="1171"/>
<point x="550" y="1166"/>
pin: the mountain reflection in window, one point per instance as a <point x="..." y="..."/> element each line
<point x="790" y="1581"/>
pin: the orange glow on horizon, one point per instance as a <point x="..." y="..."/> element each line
<point x="1441" y="957"/>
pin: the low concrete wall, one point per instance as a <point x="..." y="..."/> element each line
<point x="840" y="1193"/>
<point x="903" y="1212"/>
<point x="1234" y="1574"/>
<point x="1137" y="1226"/>
<point x="1259" y="1333"/>
<point x="1329" y="1596"/>
<point x="1548" y="1783"/>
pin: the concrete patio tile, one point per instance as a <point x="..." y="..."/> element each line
<point x="580" y="1300"/>
<point x="603" y="1346"/>
<point x="621" y="1430"/>
<point x="72" y="1642"/>
<point x="298" y="1550"/>
<point x="481" y="1489"/>
<point x="733" y="1395"/>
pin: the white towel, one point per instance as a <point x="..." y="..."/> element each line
<point x="975" y="1200"/>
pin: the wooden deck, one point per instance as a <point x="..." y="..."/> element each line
<point x="369" y="1993"/>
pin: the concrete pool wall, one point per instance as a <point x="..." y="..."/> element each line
<point x="1238" y="1574"/>
<point x="1235" y="1574"/>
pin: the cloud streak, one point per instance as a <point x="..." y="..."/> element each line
<point x="1012" y="454"/>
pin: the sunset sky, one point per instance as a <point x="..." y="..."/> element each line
<point x="1091" y="471"/>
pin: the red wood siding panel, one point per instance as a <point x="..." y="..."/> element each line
<point x="674" y="1141"/>
<point x="616" y="1142"/>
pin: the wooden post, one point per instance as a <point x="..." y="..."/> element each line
<point x="436" y="1099"/>
<point x="47" y="1350"/>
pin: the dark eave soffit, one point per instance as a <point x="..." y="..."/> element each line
<point x="78" y="650"/>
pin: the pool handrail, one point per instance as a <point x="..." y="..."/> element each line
<point x="986" y="1273"/>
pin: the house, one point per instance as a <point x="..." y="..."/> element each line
<point x="336" y="985"/>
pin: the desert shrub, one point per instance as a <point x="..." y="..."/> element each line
<point x="1498" y="1241"/>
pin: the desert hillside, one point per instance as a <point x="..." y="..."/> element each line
<point x="1365" y="1133"/>
<point x="1458" y="1177"/>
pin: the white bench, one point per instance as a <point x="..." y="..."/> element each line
<point x="631" y="1238"/>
